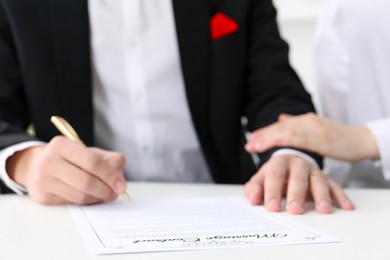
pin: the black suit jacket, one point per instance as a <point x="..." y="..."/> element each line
<point x="45" y="70"/>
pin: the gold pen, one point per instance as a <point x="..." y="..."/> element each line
<point x="67" y="130"/>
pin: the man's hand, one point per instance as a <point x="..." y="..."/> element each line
<point x="64" y="171"/>
<point x="294" y="177"/>
<point x="316" y="134"/>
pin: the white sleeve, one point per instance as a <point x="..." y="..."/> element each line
<point x="297" y="153"/>
<point x="381" y="129"/>
<point x="330" y="61"/>
<point x="4" y="155"/>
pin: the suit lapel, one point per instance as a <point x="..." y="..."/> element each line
<point x="70" y="30"/>
<point x="192" y="24"/>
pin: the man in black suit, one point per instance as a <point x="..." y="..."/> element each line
<point x="233" y="63"/>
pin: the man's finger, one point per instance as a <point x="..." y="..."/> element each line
<point x="319" y="186"/>
<point x="253" y="190"/>
<point x="72" y="195"/>
<point x="108" y="168"/>
<point x="275" y="175"/>
<point x="83" y="181"/>
<point x="340" y="196"/>
<point x="298" y="185"/>
<point x="58" y="193"/>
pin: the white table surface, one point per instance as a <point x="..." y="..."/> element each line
<point x="32" y="231"/>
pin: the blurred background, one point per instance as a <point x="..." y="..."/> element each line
<point x="297" y="22"/>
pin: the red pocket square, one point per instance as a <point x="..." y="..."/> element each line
<point x="222" y="25"/>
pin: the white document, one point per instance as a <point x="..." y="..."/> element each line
<point x="186" y="224"/>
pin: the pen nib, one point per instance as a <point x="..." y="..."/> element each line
<point x="126" y="196"/>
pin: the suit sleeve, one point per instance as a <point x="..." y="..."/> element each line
<point x="273" y="87"/>
<point x="14" y="117"/>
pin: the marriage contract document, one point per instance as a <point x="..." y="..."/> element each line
<point x="186" y="224"/>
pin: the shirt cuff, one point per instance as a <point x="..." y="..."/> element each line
<point x="297" y="153"/>
<point x="4" y="155"/>
<point x="380" y="130"/>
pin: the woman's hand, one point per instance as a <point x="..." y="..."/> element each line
<point x="313" y="133"/>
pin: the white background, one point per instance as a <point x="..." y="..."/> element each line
<point x="297" y="22"/>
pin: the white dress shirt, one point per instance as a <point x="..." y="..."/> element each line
<point x="139" y="96"/>
<point x="352" y="63"/>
